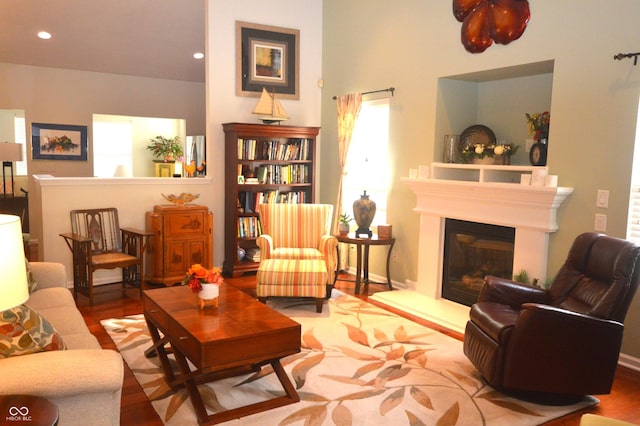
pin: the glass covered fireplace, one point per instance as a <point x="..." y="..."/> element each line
<point x="471" y="251"/>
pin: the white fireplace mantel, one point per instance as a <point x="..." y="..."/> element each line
<point x="484" y="194"/>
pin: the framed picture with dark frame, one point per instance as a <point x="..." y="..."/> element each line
<point x="267" y="57"/>
<point x="58" y="142"/>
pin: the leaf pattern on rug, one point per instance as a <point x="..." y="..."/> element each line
<point x="393" y="367"/>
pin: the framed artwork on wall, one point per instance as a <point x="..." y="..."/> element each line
<point x="267" y="57"/>
<point x="58" y="142"/>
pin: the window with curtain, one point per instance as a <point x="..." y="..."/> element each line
<point x="367" y="160"/>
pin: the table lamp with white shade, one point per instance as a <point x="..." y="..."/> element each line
<point x="14" y="288"/>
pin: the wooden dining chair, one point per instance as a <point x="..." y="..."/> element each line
<point x="97" y="242"/>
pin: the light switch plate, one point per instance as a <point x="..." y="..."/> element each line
<point x="600" y="224"/>
<point x="602" y="199"/>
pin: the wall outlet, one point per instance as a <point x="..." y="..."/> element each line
<point x="600" y="224"/>
<point x="602" y="199"/>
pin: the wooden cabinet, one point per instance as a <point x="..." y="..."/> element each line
<point x="263" y="164"/>
<point x="182" y="236"/>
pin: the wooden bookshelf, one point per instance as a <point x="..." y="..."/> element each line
<point x="263" y="164"/>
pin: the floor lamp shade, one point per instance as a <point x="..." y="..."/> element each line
<point x="13" y="272"/>
<point x="9" y="152"/>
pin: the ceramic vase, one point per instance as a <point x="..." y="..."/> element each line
<point x="209" y="295"/>
<point x="364" y="211"/>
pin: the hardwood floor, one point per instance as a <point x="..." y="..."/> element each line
<point x="136" y="409"/>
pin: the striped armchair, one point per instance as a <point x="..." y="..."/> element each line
<point x="298" y="231"/>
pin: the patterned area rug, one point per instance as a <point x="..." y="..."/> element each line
<point x="359" y="365"/>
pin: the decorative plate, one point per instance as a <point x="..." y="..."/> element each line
<point x="477" y="134"/>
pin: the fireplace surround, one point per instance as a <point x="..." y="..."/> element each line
<point x="478" y="193"/>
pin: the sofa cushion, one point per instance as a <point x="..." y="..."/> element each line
<point x="24" y="331"/>
<point x="31" y="281"/>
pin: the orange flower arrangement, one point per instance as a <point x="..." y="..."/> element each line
<point x="198" y="275"/>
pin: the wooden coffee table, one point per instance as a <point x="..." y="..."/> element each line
<point x="238" y="337"/>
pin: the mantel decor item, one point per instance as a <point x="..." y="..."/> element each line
<point x="58" y="142"/>
<point x="206" y="283"/>
<point x="478" y="146"/>
<point x="364" y="210"/>
<point x="267" y="57"/>
<point x="451" y="148"/>
<point x="539" y="129"/>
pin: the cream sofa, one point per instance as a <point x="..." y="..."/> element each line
<point x="84" y="381"/>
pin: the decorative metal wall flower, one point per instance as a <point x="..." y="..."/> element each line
<point x="486" y="21"/>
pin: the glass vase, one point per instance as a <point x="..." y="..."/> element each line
<point x="451" y="148"/>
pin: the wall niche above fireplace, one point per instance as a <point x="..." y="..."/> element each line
<point x="497" y="98"/>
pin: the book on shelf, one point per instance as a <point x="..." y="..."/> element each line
<point x="253" y="254"/>
<point x="247" y="149"/>
<point x="249" y="227"/>
<point x="261" y="174"/>
<point x="291" y="149"/>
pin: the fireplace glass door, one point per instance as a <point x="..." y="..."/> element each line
<point x="472" y="251"/>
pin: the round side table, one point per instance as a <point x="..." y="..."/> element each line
<point x="27" y="410"/>
<point x="362" y="258"/>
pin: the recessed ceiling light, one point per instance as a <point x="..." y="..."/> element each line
<point x="44" y="35"/>
<point x="198" y="55"/>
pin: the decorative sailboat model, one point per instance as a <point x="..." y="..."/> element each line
<point x="269" y="108"/>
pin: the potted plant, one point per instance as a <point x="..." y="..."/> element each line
<point x="167" y="149"/>
<point x="343" y="226"/>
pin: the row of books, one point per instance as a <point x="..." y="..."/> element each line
<point x="282" y="150"/>
<point x="249" y="201"/>
<point x="277" y="175"/>
<point x="249" y="227"/>
<point x="247" y="149"/>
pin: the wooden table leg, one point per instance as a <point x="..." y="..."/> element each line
<point x="190" y="383"/>
<point x="160" y="350"/>
<point x="366" y="269"/>
<point x="358" y="268"/>
<point x="192" y="388"/>
<point x="388" y="261"/>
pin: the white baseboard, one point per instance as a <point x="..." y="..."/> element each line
<point x="379" y="279"/>
<point x="629" y="361"/>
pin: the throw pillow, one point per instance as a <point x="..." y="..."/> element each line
<point x="31" y="281"/>
<point x="24" y="331"/>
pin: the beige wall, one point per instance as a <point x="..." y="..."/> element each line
<point x="133" y="197"/>
<point x="56" y="96"/>
<point x="371" y="44"/>
<point x="222" y="103"/>
<point x="56" y="197"/>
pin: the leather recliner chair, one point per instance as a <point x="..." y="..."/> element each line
<point x="564" y="341"/>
